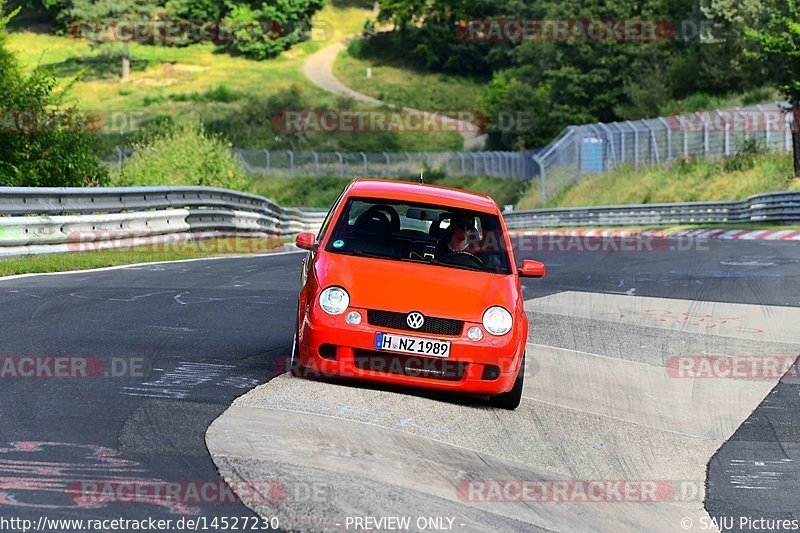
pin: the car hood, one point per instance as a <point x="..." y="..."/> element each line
<point x="404" y="286"/>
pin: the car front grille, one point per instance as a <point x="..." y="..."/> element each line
<point x="433" y="325"/>
<point x="409" y="365"/>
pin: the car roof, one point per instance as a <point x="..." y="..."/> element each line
<point x="421" y="193"/>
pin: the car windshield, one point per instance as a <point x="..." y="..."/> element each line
<point x="426" y="233"/>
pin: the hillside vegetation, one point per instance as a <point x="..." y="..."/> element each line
<point x="690" y="180"/>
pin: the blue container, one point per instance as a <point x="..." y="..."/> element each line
<point x="592" y="155"/>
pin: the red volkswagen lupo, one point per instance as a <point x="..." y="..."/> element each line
<point x="416" y="285"/>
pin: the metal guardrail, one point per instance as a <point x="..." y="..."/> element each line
<point x="46" y="220"/>
<point x="776" y="207"/>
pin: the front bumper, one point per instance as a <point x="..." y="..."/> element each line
<point x="331" y="347"/>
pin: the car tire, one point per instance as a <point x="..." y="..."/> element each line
<point x="294" y="366"/>
<point x="510" y="400"/>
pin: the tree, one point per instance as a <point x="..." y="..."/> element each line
<point x="777" y="43"/>
<point x="265" y="29"/>
<point x="87" y="17"/>
<point x="42" y="142"/>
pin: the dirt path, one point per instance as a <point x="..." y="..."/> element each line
<point x="319" y="69"/>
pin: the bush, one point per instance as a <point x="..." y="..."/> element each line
<point x="257" y="124"/>
<point x="264" y="30"/>
<point x="182" y="155"/>
<point x="321" y="192"/>
<point x="42" y="142"/>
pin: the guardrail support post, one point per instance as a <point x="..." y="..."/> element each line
<point x="266" y="157"/>
<point x="341" y="164"/>
<point x="788" y="134"/>
<point x="366" y="164"/>
<point x="291" y="162"/>
<point x="388" y="164"/>
<point x="316" y="162"/>
<point x="463" y="163"/>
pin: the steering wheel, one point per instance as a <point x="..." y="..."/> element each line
<point x="474" y="259"/>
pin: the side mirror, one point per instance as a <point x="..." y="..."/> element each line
<point x="306" y="241"/>
<point x="532" y="269"/>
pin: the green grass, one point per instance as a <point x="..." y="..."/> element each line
<point x="401" y="84"/>
<point x="321" y="192"/>
<point x="142" y="254"/>
<point x="195" y="80"/>
<point x="181" y="82"/>
<point x="705" y="102"/>
<point x="690" y="180"/>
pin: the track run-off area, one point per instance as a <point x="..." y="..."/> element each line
<point x="175" y="378"/>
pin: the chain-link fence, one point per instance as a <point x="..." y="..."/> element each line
<point x="577" y="152"/>
<point x="597" y="148"/>
<point x="384" y="164"/>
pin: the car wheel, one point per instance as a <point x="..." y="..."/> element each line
<point x="510" y="400"/>
<point x="294" y="366"/>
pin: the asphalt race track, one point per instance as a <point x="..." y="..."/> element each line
<point x="178" y="343"/>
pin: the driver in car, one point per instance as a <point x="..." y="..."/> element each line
<point x="461" y="237"/>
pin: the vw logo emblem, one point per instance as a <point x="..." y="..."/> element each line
<point x="415" y="320"/>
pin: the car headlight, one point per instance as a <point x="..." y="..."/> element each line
<point x="497" y="321"/>
<point x="334" y="300"/>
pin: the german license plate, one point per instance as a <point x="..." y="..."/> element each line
<point x="416" y="345"/>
